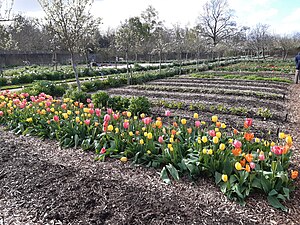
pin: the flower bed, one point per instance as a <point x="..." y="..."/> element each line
<point x="239" y="162"/>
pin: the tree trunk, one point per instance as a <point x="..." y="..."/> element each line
<point x="75" y="71"/>
<point x="116" y="62"/>
<point x="159" y="62"/>
<point x="127" y="66"/>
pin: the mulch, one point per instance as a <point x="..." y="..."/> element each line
<point x="40" y="183"/>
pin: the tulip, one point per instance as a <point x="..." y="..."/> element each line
<point x="252" y="165"/>
<point x="223" y="125"/>
<point x="107" y="117"/>
<point x="88" y="100"/>
<point x="56" y="118"/>
<point x="103" y="150"/>
<point x="109" y="111"/>
<point x="141" y="141"/>
<point x="183" y="121"/>
<point x="196" y="116"/>
<point x="248" y="123"/>
<point x="98" y="112"/>
<point x="224" y="178"/>
<point x="110" y="128"/>
<point x="294" y="174"/>
<point x="116" y="116"/>
<point x="238" y="166"/>
<point x="212" y="133"/>
<point x="87" y="122"/>
<point x="128" y="114"/>
<point x="149" y="136"/>
<point x="197" y="123"/>
<point x="167" y="113"/>
<point x="237" y="144"/>
<point x="277" y="150"/>
<point x="215" y="140"/>
<point x="91" y="111"/>
<point x="160" y="139"/>
<point x="126" y="125"/>
<point x="281" y="135"/>
<point x="147" y="120"/>
<point x="218" y="134"/>
<point x="214" y="119"/>
<point x="1" y="113"/>
<point x="222" y="146"/>
<point x="204" y="139"/>
<point x="289" y="140"/>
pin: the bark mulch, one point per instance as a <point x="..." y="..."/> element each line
<point x="40" y="183"/>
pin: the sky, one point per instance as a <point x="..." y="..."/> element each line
<point x="282" y="15"/>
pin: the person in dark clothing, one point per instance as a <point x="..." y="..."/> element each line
<point x="297" y="61"/>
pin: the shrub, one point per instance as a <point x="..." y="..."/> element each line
<point x="100" y="99"/>
<point x="118" y="103"/>
<point x="3" y="81"/>
<point x="139" y="105"/>
<point x="76" y="95"/>
<point x="47" y="87"/>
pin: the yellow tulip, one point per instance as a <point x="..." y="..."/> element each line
<point x="141" y="141"/>
<point x="117" y="130"/>
<point x="130" y="133"/>
<point x="196" y="116"/>
<point x="281" y="135"/>
<point x="29" y="120"/>
<point x="128" y="114"/>
<point x="210" y="152"/>
<point x="65" y="115"/>
<point x="257" y="140"/>
<point x="222" y="146"/>
<point x="77" y="119"/>
<point x="289" y="139"/>
<point x="149" y="136"/>
<point x="214" y="119"/>
<point x="124" y="159"/>
<point x="238" y="166"/>
<point x="216" y="129"/>
<point x="204" y="139"/>
<point x="148" y="152"/>
<point x="218" y="134"/>
<point x="223" y="125"/>
<point x="215" y="140"/>
<point x="224" y="178"/>
<point x="204" y="151"/>
<point x="142" y="115"/>
<point x="183" y="121"/>
<point x="110" y="128"/>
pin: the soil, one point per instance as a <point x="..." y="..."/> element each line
<point x="40" y="183"/>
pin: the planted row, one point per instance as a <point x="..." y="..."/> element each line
<point x="239" y="162"/>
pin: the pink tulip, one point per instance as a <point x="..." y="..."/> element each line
<point x="261" y="157"/>
<point x="88" y="100"/>
<point x="197" y="123"/>
<point x="126" y="125"/>
<point x="237" y="144"/>
<point x="91" y="105"/>
<point x="168" y="113"/>
<point x="160" y="139"/>
<point x="48" y="109"/>
<point x="1" y="113"/>
<point x="64" y="106"/>
<point x="103" y="150"/>
<point x="277" y="150"/>
<point x="87" y="122"/>
<point x="212" y="133"/>
<point x="147" y="120"/>
<point x="107" y="117"/>
<point x="109" y="111"/>
<point x="48" y="103"/>
<point x="116" y="116"/>
<point x="98" y="112"/>
<point x="91" y="111"/>
<point x="252" y="165"/>
<point x="248" y="123"/>
<point x="56" y="118"/>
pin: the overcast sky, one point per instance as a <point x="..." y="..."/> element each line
<point x="282" y="15"/>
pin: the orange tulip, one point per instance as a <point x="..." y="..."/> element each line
<point x="236" y="151"/>
<point x="218" y="124"/>
<point x="173" y="132"/>
<point x="248" y="136"/>
<point x="247" y="168"/>
<point x="189" y="130"/>
<point x="294" y="174"/>
<point x="243" y="162"/>
<point x="249" y="157"/>
<point x="175" y="124"/>
<point x="235" y="131"/>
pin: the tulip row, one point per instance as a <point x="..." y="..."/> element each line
<point x="239" y="162"/>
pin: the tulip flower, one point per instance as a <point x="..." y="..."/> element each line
<point x="248" y="123"/>
<point x="103" y="150"/>
<point x="224" y="178"/>
<point x="294" y="174"/>
<point x="215" y="140"/>
<point x="107" y="117"/>
<point x="277" y="150"/>
<point x="56" y="118"/>
<point x="168" y="113"/>
<point x="237" y="144"/>
<point x="238" y="166"/>
<point x="196" y="116"/>
<point x="222" y="146"/>
<point x="212" y="133"/>
<point x="160" y="139"/>
<point x="87" y="122"/>
<point x="1" y="113"/>
<point x="214" y="119"/>
<point x="126" y="125"/>
<point x="197" y="123"/>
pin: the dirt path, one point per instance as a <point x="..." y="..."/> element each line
<point x="43" y="184"/>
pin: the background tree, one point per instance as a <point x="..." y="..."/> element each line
<point x="71" y="21"/>
<point x="286" y="43"/>
<point x="5" y="10"/>
<point x="216" y="21"/>
<point x="259" y="39"/>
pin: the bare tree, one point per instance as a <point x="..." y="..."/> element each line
<point x="216" y="21"/>
<point x="72" y="22"/>
<point x="286" y="43"/>
<point x="259" y="39"/>
<point x="5" y="10"/>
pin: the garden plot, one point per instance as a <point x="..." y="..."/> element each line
<point x="231" y="99"/>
